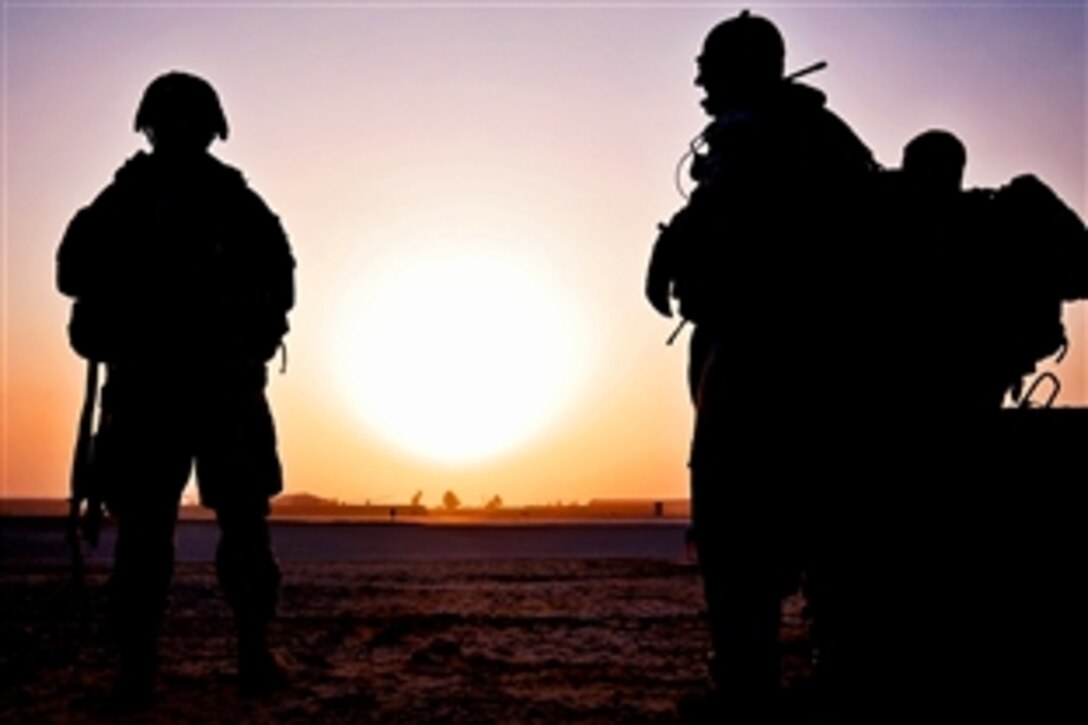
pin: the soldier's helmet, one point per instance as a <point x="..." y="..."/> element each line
<point x="181" y="108"/>
<point x="746" y="50"/>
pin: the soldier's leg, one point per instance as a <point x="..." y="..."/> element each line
<point x="143" y="567"/>
<point x="738" y="557"/>
<point x="147" y="465"/>
<point x="825" y="590"/>
<point x="238" y="471"/>
<point x="742" y="582"/>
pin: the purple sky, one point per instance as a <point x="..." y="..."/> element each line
<point x="548" y="131"/>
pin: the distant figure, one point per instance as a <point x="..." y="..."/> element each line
<point x="758" y="261"/>
<point x="182" y="279"/>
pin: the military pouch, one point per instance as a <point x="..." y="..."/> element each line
<point x="91" y="331"/>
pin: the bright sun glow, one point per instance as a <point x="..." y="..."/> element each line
<point x="456" y="355"/>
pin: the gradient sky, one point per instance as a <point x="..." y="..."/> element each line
<point x="534" y="145"/>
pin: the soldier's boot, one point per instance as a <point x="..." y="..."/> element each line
<point x="134" y="689"/>
<point x="743" y="596"/>
<point x="260" y="671"/>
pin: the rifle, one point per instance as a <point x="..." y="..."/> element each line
<point x="85" y="490"/>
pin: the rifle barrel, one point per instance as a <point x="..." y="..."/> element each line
<point x="819" y="65"/>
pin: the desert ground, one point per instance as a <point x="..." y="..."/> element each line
<point x="496" y="640"/>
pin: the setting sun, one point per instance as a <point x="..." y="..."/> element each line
<point x="458" y="355"/>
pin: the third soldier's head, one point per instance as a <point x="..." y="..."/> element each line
<point x="742" y="59"/>
<point x="933" y="163"/>
<point x="181" y="114"/>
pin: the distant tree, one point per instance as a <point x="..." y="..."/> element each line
<point x="417" y="498"/>
<point x="494" y="504"/>
<point x="450" y="500"/>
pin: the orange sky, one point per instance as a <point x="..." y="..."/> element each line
<point x="535" y="146"/>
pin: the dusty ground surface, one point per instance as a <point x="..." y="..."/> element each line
<point x="501" y="641"/>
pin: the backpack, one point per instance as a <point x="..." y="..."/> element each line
<point x="1033" y="222"/>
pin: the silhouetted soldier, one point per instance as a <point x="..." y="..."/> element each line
<point x="973" y="305"/>
<point x="976" y="328"/>
<point x="756" y="261"/>
<point x="182" y="278"/>
<point x="930" y="275"/>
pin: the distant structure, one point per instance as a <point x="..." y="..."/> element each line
<point x="639" y="507"/>
<point x="450" y="501"/>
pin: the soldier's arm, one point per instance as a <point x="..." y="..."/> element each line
<point x="77" y="257"/>
<point x="81" y="257"/>
<point x="669" y="252"/>
<point x="660" y="272"/>
<point x="282" y="266"/>
<point x="278" y="265"/>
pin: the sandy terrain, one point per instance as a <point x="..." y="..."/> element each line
<point x="502" y="641"/>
